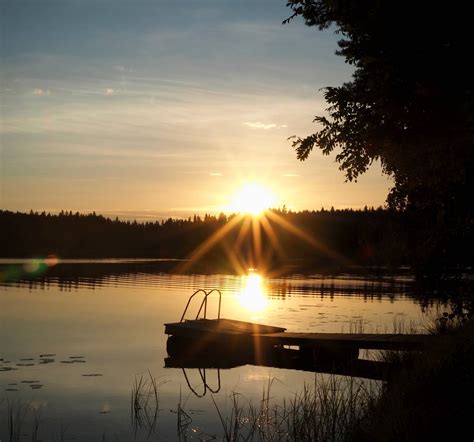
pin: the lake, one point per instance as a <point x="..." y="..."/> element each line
<point x="76" y="336"/>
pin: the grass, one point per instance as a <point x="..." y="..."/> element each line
<point x="145" y="403"/>
<point x="320" y="412"/>
<point x="183" y="420"/>
<point x="430" y="395"/>
<point x="18" y="414"/>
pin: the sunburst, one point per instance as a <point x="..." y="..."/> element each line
<point x="252" y="218"/>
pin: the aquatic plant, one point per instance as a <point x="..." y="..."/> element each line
<point x="18" y="413"/>
<point x="325" y="411"/>
<point x="145" y="403"/>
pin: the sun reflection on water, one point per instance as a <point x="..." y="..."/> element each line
<point x="253" y="296"/>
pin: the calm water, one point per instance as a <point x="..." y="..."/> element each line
<point x="73" y="340"/>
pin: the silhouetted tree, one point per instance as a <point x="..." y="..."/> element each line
<point x="409" y="105"/>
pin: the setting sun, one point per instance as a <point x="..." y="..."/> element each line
<point x="253" y="198"/>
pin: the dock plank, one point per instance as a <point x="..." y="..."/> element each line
<point x="349" y="340"/>
<point x="223" y="327"/>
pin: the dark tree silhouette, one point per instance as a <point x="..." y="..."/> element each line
<point x="368" y="237"/>
<point x="409" y="104"/>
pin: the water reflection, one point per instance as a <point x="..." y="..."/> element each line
<point x="74" y="275"/>
<point x="205" y="385"/>
<point x="220" y="356"/>
<point x="253" y="296"/>
<point x="112" y="313"/>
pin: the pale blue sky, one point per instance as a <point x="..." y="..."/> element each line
<point x="164" y="107"/>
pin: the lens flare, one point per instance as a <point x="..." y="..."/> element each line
<point x="51" y="260"/>
<point x="32" y="266"/>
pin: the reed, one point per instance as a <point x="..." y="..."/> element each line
<point x="183" y="420"/>
<point x="17" y="413"/>
<point x="324" y="411"/>
<point x="144" y="405"/>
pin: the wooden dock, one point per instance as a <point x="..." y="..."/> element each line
<point x="226" y="343"/>
<point x="349" y="340"/>
<point x="225" y="331"/>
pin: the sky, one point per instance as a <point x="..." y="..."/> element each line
<point x="150" y="108"/>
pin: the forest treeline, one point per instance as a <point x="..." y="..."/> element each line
<point x="368" y="237"/>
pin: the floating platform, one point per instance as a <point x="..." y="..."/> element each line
<point x="225" y="330"/>
<point x="197" y="328"/>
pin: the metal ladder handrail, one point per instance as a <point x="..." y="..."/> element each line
<point x="189" y="300"/>
<point x="203" y="303"/>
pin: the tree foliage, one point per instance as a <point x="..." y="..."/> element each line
<point x="409" y="103"/>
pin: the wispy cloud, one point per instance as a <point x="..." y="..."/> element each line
<point x="41" y="92"/>
<point x="291" y="174"/>
<point x="264" y="126"/>
<point x="109" y="91"/>
<point x="215" y="174"/>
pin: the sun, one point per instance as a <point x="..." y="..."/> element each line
<point x="252" y="199"/>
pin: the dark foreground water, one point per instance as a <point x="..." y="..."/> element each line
<point x="74" y="339"/>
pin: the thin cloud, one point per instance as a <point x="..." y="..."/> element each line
<point x="264" y="126"/>
<point x="291" y="174"/>
<point x="215" y="174"/>
<point x="41" y="92"/>
<point x="109" y="92"/>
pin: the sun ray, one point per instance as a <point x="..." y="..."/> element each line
<point x="209" y="243"/>
<point x="267" y="227"/>
<point x="244" y="229"/>
<point x="234" y="258"/>
<point x="307" y="237"/>
<point x="257" y="241"/>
